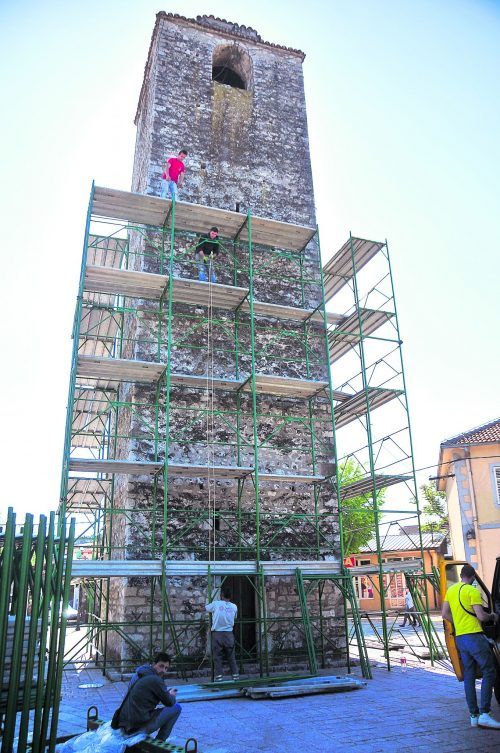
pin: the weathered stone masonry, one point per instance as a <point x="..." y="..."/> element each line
<point x="247" y="146"/>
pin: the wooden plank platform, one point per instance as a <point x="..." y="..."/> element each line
<point x="127" y="568"/>
<point x="91" y="409"/>
<point x="152" y="286"/>
<point x="365" y="485"/>
<point x="119" y="369"/>
<point x="278" y="311"/>
<point x="106" y="251"/>
<point x="87" y="493"/>
<point x="182" y="470"/>
<point x="151" y="210"/>
<point x="130" y="467"/>
<point x="285" y="386"/>
<point x="204" y="294"/>
<point x="356" y="406"/>
<point x="339" y="269"/>
<point x="98" y="330"/>
<point x="124" y="282"/>
<point x="111" y="370"/>
<point x="204" y="382"/>
<point x="290" y="478"/>
<point x="347" y="334"/>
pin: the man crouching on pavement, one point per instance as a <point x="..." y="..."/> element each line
<point x="146" y="690"/>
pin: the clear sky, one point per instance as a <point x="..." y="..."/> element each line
<point x="404" y="119"/>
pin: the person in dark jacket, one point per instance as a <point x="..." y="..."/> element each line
<point x="205" y="250"/>
<point x="146" y="690"/>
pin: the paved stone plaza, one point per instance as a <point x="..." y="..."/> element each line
<point x="421" y="710"/>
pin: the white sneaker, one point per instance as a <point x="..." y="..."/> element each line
<point x="486" y="720"/>
<point x="474" y="720"/>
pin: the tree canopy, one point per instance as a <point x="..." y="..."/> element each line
<point x="358" y="519"/>
<point x="434" y="510"/>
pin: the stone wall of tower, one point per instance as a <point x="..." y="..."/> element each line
<point x="249" y="146"/>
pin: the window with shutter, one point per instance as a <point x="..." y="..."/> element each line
<point x="496" y="476"/>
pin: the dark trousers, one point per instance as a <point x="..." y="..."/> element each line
<point x="223" y="648"/>
<point x="163" y="720"/>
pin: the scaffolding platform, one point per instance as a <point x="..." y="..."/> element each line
<point x="342" y="339"/>
<point x="150" y="210"/>
<point x="181" y="324"/>
<point x="366" y="485"/>
<point x="151" y="286"/>
<point x="153" y="568"/>
<point x="357" y="405"/>
<point x="351" y="258"/>
<point x="108" y="371"/>
<point x="182" y="470"/>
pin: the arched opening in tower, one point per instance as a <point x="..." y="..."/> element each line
<point x="224" y="75"/>
<point x="232" y="66"/>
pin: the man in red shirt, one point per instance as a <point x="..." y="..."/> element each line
<point x="173" y="176"/>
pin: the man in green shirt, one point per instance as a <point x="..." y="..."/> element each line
<point x="462" y="607"/>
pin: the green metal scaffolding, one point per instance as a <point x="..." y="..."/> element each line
<point x="137" y="295"/>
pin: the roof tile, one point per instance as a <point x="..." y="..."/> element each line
<point x="484" y="434"/>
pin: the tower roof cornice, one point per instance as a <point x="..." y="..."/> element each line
<point x="218" y="26"/>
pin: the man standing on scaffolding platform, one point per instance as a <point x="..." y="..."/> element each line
<point x="223" y="613"/>
<point x="205" y="250"/>
<point x="173" y="176"/>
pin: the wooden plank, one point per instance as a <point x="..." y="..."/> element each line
<point x="365" y="485"/>
<point x="339" y="269"/>
<point x="125" y="282"/>
<point x="275" y="385"/>
<point x="130" y="467"/>
<point x="201" y="382"/>
<point x="119" y="369"/>
<point x="110" y="370"/>
<point x="347" y="334"/>
<point x="151" y="210"/>
<point x="290" y="478"/>
<point x="134" y="467"/>
<point x="149" y="285"/>
<point x="205" y="294"/>
<point x="356" y="405"/>
<point x="203" y="471"/>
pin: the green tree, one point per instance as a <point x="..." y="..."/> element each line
<point x="358" y="519"/>
<point x="434" y="510"/>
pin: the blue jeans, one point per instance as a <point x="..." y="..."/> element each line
<point x="475" y="649"/>
<point x="162" y="720"/>
<point x="169" y="189"/>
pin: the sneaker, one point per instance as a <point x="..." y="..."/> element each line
<point x="218" y="678"/>
<point x="236" y="677"/>
<point x="474" y="720"/>
<point x="486" y="720"/>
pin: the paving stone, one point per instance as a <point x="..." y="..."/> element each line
<point x="422" y="711"/>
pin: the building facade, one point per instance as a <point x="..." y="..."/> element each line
<point x="397" y="551"/>
<point x="469" y="473"/>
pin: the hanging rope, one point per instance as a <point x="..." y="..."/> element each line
<point x="210" y="426"/>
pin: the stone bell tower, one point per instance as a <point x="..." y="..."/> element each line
<point x="237" y="104"/>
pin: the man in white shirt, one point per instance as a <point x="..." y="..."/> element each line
<point x="410" y="613"/>
<point x="223" y="613"/>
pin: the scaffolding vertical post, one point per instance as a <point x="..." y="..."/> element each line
<point x="426" y="621"/>
<point x="254" y="389"/>
<point x="376" y="511"/>
<point x="74" y="361"/>
<point x="334" y="441"/>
